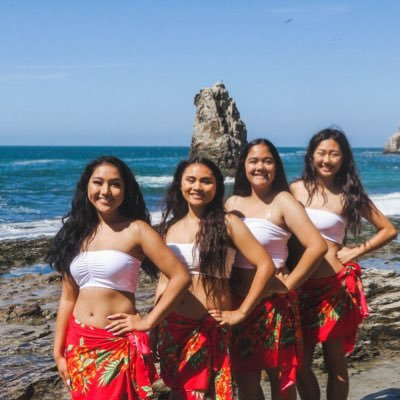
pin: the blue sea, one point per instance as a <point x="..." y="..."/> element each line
<point x="37" y="182"/>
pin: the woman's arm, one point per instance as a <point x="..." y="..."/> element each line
<point x="154" y="248"/>
<point x="296" y="219"/>
<point x="69" y="295"/>
<point x="254" y="252"/>
<point x="386" y="233"/>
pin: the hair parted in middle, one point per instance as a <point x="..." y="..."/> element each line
<point x="212" y="239"/>
<point x="242" y="186"/>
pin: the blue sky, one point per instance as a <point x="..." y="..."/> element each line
<point x="126" y="72"/>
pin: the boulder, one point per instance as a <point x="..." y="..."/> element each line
<point x="219" y="133"/>
<point x="393" y="144"/>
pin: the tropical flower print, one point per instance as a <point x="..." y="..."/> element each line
<point x="194" y="358"/>
<point x="270" y="337"/>
<point x="104" y="366"/>
<point x="334" y="306"/>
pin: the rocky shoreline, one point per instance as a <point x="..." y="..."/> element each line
<point x="29" y="305"/>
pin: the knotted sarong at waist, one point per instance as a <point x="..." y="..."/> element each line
<point x="104" y="366"/>
<point x="333" y="307"/>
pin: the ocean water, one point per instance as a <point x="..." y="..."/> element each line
<point x="37" y="182"/>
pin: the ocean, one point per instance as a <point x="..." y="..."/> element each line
<point x="37" y="182"/>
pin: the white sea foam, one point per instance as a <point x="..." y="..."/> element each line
<point x="389" y="203"/>
<point x="154" y="181"/>
<point x="32" y="162"/>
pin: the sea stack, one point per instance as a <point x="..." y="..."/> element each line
<point x="393" y="144"/>
<point x="219" y="133"/>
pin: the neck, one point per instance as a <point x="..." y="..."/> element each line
<point x="328" y="183"/>
<point x="262" y="194"/>
<point x="109" y="219"/>
<point x="195" y="213"/>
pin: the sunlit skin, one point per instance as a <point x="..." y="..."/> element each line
<point x="283" y="210"/>
<point x="111" y="309"/>
<point x="327" y="160"/>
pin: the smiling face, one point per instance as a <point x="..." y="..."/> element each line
<point x="106" y="189"/>
<point x="327" y="158"/>
<point x="198" y="185"/>
<point x="260" y="166"/>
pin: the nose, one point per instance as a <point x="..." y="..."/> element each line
<point x="105" y="189"/>
<point x="327" y="158"/>
<point x="197" y="185"/>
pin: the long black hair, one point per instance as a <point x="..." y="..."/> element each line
<point x="242" y="186"/>
<point x="212" y="238"/>
<point x="82" y="220"/>
<point x="355" y="199"/>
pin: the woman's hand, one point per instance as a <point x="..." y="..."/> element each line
<point x="227" y="317"/>
<point x="347" y="254"/>
<point x="124" y="323"/>
<point x="61" y="363"/>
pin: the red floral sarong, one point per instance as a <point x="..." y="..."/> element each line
<point x="270" y="338"/>
<point x="333" y="307"/>
<point x="104" y="366"/>
<point x="194" y="357"/>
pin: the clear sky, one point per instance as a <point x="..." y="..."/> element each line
<point x="126" y="72"/>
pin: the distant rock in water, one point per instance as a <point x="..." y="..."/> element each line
<point x="219" y="133"/>
<point x="393" y="144"/>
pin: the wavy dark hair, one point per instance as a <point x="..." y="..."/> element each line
<point x="82" y="220"/>
<point x="356" y="200"/>
<point x="242" y="186"/>
<point x="212" y="239"/>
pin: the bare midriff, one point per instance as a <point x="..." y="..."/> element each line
<point x="195" y="305"/>
<point x="330" y="265"/>
<point x="94" y="304"/>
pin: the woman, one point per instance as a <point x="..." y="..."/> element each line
<point x="192" y="340"/>
<point x="100" y="349"/>
<point x="332" y="302"/>
<point x="270" y="338"/>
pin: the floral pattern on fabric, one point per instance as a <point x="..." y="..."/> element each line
<point x="333" y="307"/>
<point x="270" y="338"/>
<point x="104" y="366"/>
<point x="194" y="358"/>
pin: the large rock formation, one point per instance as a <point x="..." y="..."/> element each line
<point x="393" y="144"/>
<point x="219" y="133"/>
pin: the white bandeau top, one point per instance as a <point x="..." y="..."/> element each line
<point x="111" y="269"/>
<point x="273" y="238"/>
<point x="184" y="251"/>
<point x="331" y="225"/>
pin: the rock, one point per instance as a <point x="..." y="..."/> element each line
<point x="219" y="133"/>
<point x="393" y="144"/>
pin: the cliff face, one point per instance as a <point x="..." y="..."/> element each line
<point x="219" y="133"/>
<point x="393" y="144"/>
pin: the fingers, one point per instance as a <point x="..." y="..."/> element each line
<point x="64" y="375"/>
<point x="117" y="316"/>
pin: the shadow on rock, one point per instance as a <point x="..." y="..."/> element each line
<point x="387" y="394"/>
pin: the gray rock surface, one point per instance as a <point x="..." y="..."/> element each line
<point x="219" y="133"/>
<point x="393" y="144"/>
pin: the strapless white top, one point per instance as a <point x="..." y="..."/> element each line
<point x="331" y="225"/>
<point x="111" y="269"/>
<point x="190" y="258"/>
<point x="273" y="238"/>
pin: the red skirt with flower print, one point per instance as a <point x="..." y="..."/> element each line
<point x="333" y="307"/>
<point x="194" y="357"/>
<point x="104" y="366"/>
<point x="270" y="338"/>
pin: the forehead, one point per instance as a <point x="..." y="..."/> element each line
<point x="328" y="145"/>
<point x="109" y="171"/>
<point x="198" y="169"/>
<point x="259" y="151"/>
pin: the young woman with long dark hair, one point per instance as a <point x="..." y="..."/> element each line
<point x="193" y="340"/>
<point x="270" y="338"/>
<point x="332" y="302"/>
<point x="100" y="348"/>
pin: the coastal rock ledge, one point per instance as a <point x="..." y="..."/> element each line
<point x="393" y="144"/>
<point x="219" y="133"/>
